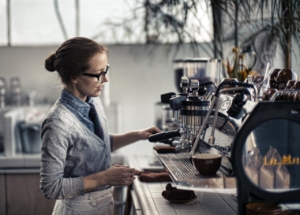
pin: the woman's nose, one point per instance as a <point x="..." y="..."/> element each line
<point x="105" y="78"/>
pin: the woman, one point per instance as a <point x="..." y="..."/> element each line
<point x="75" y="163"/>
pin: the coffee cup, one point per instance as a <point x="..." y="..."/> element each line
<point x="207" y="164"/>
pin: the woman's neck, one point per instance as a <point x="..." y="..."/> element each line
<point x="75" y="92"/>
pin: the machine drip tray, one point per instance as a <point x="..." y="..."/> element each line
<point x="184" y="173"/>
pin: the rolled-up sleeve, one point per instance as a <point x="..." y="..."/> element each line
<point x="53" y="161"/>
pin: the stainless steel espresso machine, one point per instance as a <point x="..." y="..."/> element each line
<point x="198" y="104"/>
<point x="190" y="109"/>
<point x="195" y="113"/>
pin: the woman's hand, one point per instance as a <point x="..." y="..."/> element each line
<point x="146" y="133"/>
<point x="118" y="175"/>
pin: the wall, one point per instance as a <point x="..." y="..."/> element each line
<point x="138" y="75"/>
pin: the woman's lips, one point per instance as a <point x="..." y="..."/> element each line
<point x="100" y="88"/>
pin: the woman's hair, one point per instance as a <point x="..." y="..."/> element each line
<point x="72" y="57"/>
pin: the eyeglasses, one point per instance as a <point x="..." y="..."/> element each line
<point x="99" y="76"/>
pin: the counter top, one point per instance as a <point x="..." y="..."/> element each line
<point x="21" y="161"/>
<point x="210" y="201"/>
<point x="33" y="161"/>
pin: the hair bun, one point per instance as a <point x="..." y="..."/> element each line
<point x="49" y="62"/>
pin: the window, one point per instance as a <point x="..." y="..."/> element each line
<point x="35" y="22"/>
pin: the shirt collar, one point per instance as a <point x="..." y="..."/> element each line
<point x="76" y="103"/>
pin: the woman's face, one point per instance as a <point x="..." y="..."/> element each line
<point x="85" y="85"/>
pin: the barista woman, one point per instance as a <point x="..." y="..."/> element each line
<point x="76" y="164"/>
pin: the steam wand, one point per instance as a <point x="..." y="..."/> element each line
<point x="216" y="101"/>
<point x="192" y="152"/>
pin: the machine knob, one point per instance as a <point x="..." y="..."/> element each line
<point x="236" y="108"/>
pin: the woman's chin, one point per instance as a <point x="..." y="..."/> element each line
<point x="96" y="93"/>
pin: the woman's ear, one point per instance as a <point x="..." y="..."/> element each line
<point x="74" y="80"/>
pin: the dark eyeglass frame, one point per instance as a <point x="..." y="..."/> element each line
<point x="97" y="75"/>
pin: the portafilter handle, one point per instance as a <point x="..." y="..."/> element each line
<point x="164" y="135"/>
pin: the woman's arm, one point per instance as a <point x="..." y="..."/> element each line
<point x="120" y="140"/>
<point x="53" y="161"/>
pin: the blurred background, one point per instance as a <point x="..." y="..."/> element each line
<point x="146" y="40"/>
<point x="143" y="37"/>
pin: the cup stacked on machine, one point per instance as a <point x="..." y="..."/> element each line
<point x="284" y="83"/>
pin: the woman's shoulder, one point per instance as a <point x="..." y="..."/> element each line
<point x="57" y="109"/>
<point x="58" y="113"/>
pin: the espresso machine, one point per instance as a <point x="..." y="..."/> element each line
<point x="189" y="106"/>
<point x="188" y="111"/>
<point x="207" y="116"/>
<point x="197" y="113"/>
<point x="196" y="80"/>
<point x="254" y="125"/>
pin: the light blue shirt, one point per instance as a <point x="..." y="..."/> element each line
<point x="79" y="108"/>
